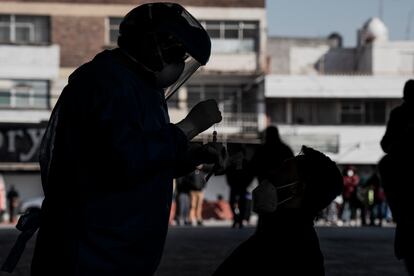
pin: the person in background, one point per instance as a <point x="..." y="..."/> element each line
<point x="285" y="242"/>
<point x="238" y="178"/>
<point x="198" y="182"/>
<point x="13" y="203"/>
<point x="183" y="201"/>
<point x="349" y="195"/>
<point x="396" y="169"/>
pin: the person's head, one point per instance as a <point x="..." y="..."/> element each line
<point x="271" y="135"/>
<point x="308" y="181"/>
<point x="349" y="171"/>
<point x="166" y="40"/>
<point x="408" y="94"/>
<point x="199" y="167"/>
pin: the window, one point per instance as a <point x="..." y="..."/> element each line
<point x="352" y="112"/>
<point x="24" y="94"/>
<point x="113" y="29"/>
<point x="24" y="29"/>
<point x="358" y="112"/>
<point x="232" y="36"/>
<point x="320" y="112"/>
<point x="276" y="110"/>
<point x="227" y="96"/>
<point x="375" y="112"/>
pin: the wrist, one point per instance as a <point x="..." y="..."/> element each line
<point x="188" y="128"/>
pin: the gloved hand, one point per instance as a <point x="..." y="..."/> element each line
<point x="201" y="117"/>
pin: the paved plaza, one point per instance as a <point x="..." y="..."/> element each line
<point x="197" y="251"/>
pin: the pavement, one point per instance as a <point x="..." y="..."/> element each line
<point x="197" y="251"/>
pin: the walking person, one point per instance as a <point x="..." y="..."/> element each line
<point x="198" y="183"/>
<point x="238" y="178"/>
<point x="183" y="201"/>
<point x="396" y="174"/>
<point x="13" y="203"/>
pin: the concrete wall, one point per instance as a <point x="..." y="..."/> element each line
<point x="393" y="58"/>
<point x="279" y="51"/>
<point x="304" y="60"/>
<point x="29" y="62"/>
<point x="356" y="144"/>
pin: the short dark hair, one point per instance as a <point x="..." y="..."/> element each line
<point x="322" y="177"/>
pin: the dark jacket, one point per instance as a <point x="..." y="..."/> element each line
<point x="395" y="170"/>
<point x="288" y="246"/>
<point x="109" y="185"/>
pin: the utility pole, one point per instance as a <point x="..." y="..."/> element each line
<point x="381" y="9"/>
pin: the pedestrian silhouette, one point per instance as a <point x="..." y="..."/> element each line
<point x="238" y="178"/>
<point x="285" y="242"/>
<point x="395" y="170"/>
<point x="13" y="203"/>
<point x="109" y="154"/>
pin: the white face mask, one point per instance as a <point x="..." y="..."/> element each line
<point x="350" y="173"/>
<point x="265" y="197"/>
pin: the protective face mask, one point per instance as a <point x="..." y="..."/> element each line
<point x="350" y="173"/>
<point x="266" y="199"/>
<point x="168" y="74"/>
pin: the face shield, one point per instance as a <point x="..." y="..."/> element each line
<point x="190" y="67"/>
<point x="172" y="26"/>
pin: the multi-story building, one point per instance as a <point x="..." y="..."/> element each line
<point x="334" y="98"/>
<point x="43" y="41"/>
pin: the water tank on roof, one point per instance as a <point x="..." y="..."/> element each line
<point x="374" y="30"/>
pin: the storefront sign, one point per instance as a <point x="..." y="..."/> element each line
<point x="20" y="142"/>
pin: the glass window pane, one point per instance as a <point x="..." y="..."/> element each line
<point x="5" y="98"/>
<point x="301" y="112"/>
<point x="22" y="100"/>
<point x="193" y="95"/>
<point x="213" y="33"/>
<point x="250" y="33"/>
<point x="212" y="92"/>
<point x="4" y="34"/>
<point x="352" y="113"/>
<point x="375" y="112"/>
<point x="39" y="29"/>
<point x="23" y="35"/>
<point x="231" y="34"/>
<point x="325" y="113"/>
<point x="113" y="36"/>
<point x="276" y="110"/>
<point x="4" y="18"/>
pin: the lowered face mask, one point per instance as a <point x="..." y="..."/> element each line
<point x="266" y="199"/>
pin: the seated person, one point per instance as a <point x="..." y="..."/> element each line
<point x="285" y="241"/>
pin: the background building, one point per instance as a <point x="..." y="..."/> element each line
<point x="334" y="98"/>
<point x="43" y="41"/>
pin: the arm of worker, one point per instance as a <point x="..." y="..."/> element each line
<point x="140" y="153"/>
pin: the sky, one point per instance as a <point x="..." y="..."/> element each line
<point x="312" y="18"/>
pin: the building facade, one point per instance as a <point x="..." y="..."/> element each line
<point x="43" y="41"/>
<point x="334" y="98"/>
